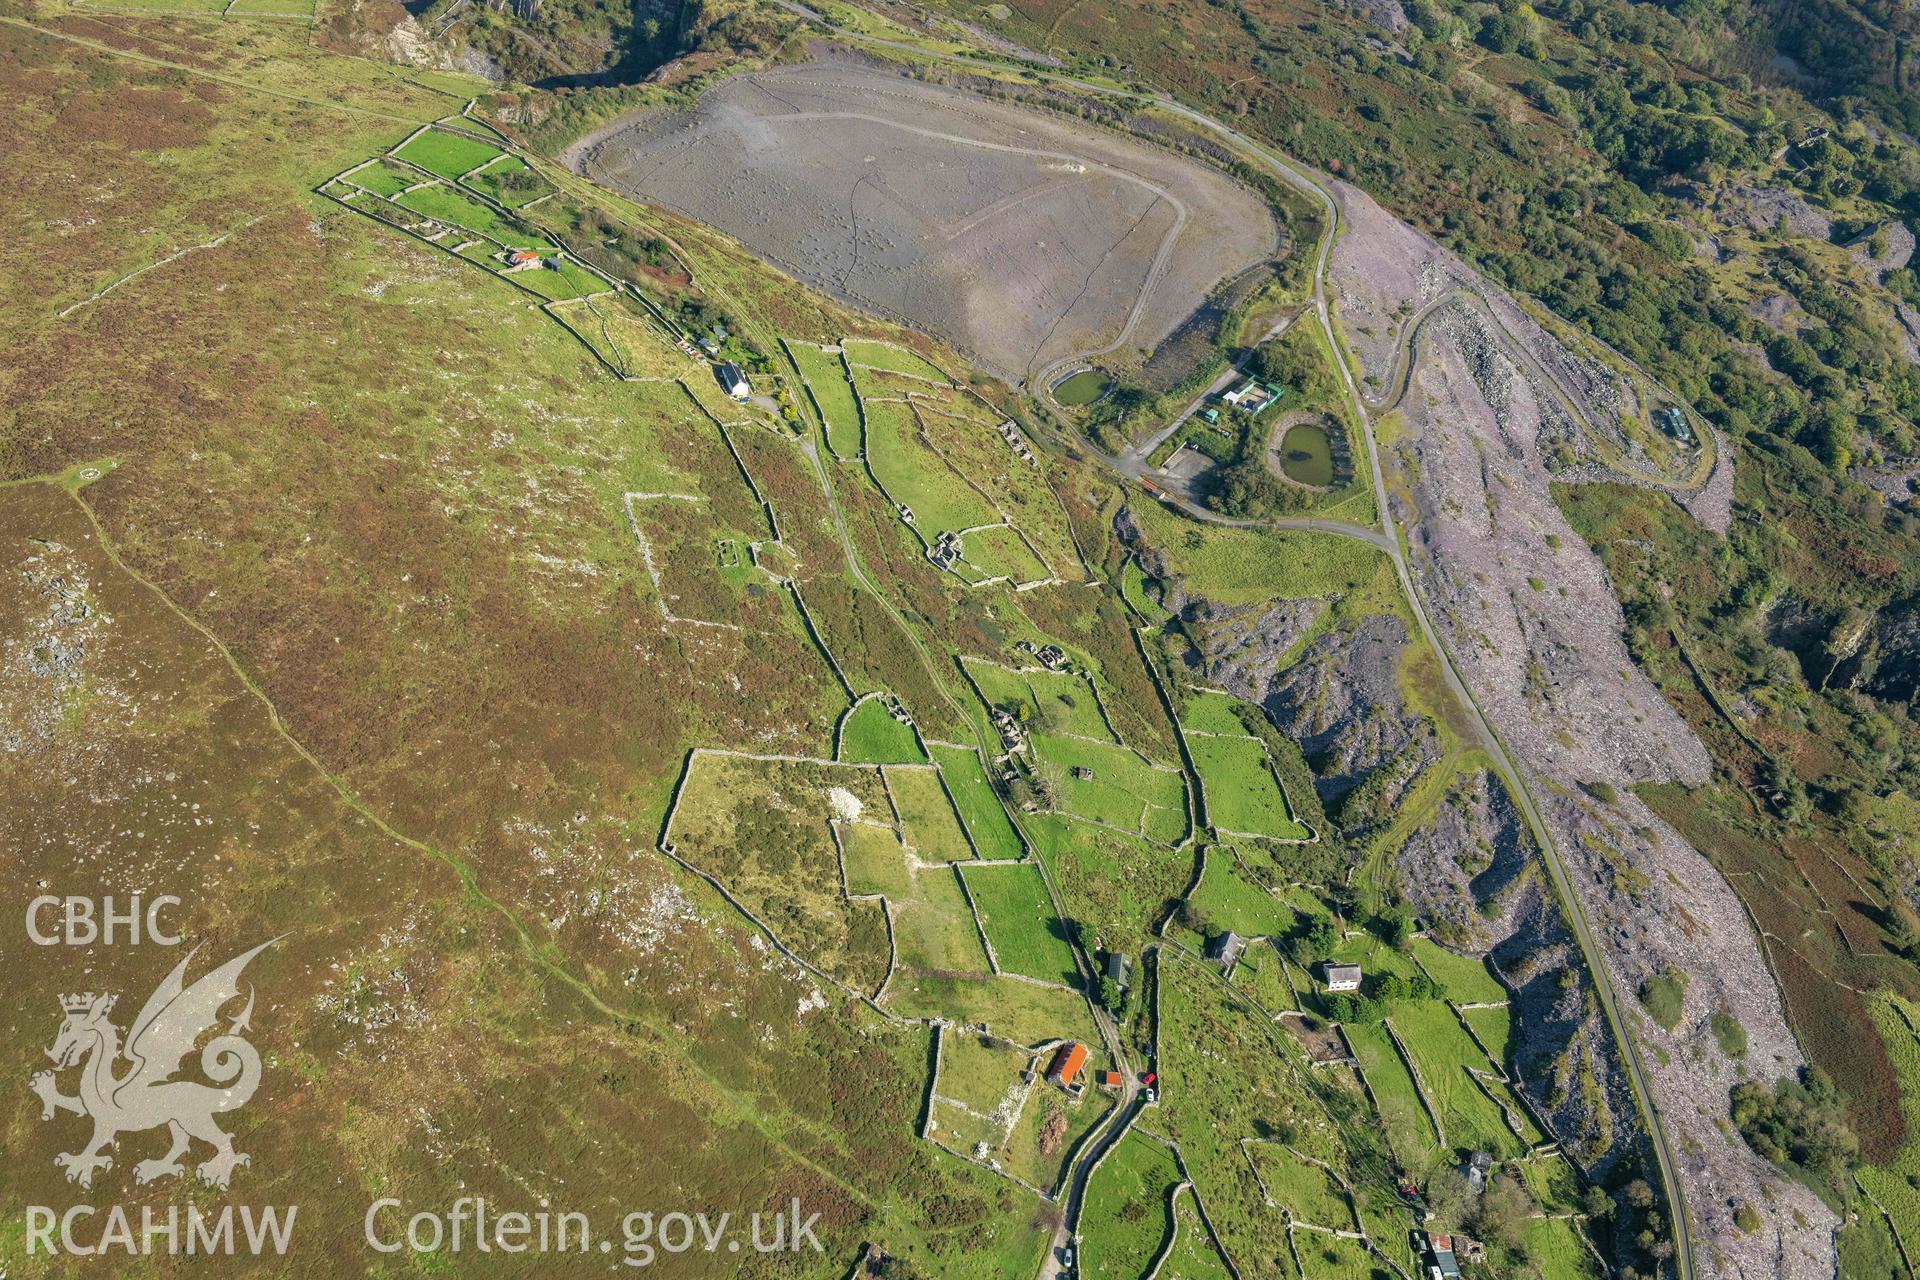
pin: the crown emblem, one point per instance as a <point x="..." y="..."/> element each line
<point x="82" y="1001"/>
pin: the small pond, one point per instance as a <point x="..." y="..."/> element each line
<point x="1084" y="387"/>
<point x="1306" y="456"/>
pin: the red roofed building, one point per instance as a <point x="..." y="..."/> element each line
<point x="520" y="257"/>
<point x="1066" y="1066"/>
<point x="1112" y="1079"/>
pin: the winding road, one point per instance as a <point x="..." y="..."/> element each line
<point x="1405" y="355"/>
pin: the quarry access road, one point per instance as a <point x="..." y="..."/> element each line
<point x="1405" y="353"/>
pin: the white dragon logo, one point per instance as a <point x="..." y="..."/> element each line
<point x="147" y="1096"/>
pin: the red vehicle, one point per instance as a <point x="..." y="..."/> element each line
<point x="1148" y="1078"/>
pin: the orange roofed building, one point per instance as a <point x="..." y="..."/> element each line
<point x="1067" y="1065"/>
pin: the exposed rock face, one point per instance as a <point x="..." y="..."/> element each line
<point x="1386" y="15"/>
<point x="1894" y="242"/>
<point x="1528" y="615"/>
<point x="1341" y="702"/>
<point x="44" y="648"/>
<point x="1909" y="330"/>
<point x="1780" y="312"/>
<point x="1563" y="1056"/>
<point x="1895" y="483"/>
<point x="1887" y="663"/>
<point x="1763" y="207"/>
<point x="1459" y="868"/>
<point x="1472" y="873"/>
<point x="1240" y="649"/>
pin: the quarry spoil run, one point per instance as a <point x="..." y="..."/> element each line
<point x="1020" y="238"/>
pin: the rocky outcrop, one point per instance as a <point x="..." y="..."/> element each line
<point x="1474" y="877"/>
<point x="1240" y="649"/>
<point x="1763" y="208"/>
<point x="1886" y="660"/>
<point x="1780" y="312"/>
<point x="1887" y="247"/>
<point x="1341" y="701"/>
<point x="1460" y="867"/>
<point x="44" y="650"/>
<point x="1563" y="1057"/>
<point x="1386" y="16"/>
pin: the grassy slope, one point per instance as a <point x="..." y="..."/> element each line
<point x="398" y="501"/>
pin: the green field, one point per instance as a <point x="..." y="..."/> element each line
<point x="1462" y="979"/>
<point x="1027" y="936"/>
<point x="1128" y="1215"/>
<point x="932" y="827"/>
<point x="883" y="355"/>
<point x="913" y="473"/>
<point x="1025" y="1012"/>
<point x="383" y="178"/>
<point x="1054" y="702"/>
<point x="1404" y="1121"/>
<point x="833" y="395"/>
<point x="1123" y="790"/>
<point x="509" y="182"/>
<point x="1001" y="686"/>
<point x="1000" y="552"/>
<point x="1196" y="1254"/>
<point x="559" y="278"/>
<point x="447" y="154"/>
<point x="979" y="1072"/>
<point x="1068" y="703"/>
<point x="1306" y="1189"/>
<point x="1243" y="795"/>
<point x="1443" y="1052"/>
<point x="1325" y="1257"/>
<point x="1209" y="712"/>
<point x="874" y="860"/>
<point x="444" y="204"/>
<point x="1553" y="1246"/>
<point x="1262" y="974"/>
<point x="1494" y="1027"/>
<point x="1227" y="899"/>
<point x="869" y="733"/>
<point x="932" y="929"/>
<point x="1371" y="953"/>
<point x="1115" y="883"/>
<point x="980" y="809"/>
<point x="984" y="1110"/>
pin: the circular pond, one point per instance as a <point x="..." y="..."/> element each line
<point x="1084" y="387"/>
<point x="1307" y="456"/>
